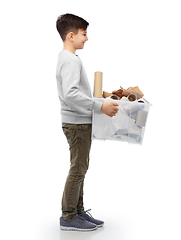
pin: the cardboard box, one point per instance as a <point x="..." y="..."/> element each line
<point x="128" y="125"/>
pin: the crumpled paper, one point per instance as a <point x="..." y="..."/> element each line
<point x="125" y="92"/>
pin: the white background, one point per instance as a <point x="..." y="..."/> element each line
<point x="134" y="189"/>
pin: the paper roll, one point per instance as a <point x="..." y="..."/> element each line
<point x="141" y="118"/>
<point x="115" y="97"/>
<point x="132" y="107"/>
<point x="98" y="84"/>
<point x="132" y="97"/>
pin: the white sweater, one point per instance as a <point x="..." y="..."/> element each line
<point x="74" y="90"/>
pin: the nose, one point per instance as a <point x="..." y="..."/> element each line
<point x="87" y="38"/>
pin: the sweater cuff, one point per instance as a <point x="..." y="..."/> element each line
<point x="97" y="105"/>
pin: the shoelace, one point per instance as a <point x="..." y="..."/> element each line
<point x="88" y="212"/>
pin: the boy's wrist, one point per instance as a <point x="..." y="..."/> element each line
<point x="97" y="105"/>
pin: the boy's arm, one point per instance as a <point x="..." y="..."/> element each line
<point x="70" y="85"/>
<point x="74" y="97"/>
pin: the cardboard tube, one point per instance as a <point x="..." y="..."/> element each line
<point x="98" y="84"/>
<point x="132" y="97"/>
<point x="141" y="118"/>
<point x="115" y="97"/>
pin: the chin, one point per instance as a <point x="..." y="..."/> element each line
<point x="81" y="46"/>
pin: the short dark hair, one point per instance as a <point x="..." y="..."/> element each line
<point x="70" y="23"/>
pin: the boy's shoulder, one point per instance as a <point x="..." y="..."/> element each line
<point x="67" y="56"/>
<point x="68" y="60"/>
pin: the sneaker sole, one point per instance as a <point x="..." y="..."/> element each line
<point x="77" y="229"/>
<point x="100" y="225"/>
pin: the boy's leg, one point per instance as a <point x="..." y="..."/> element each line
<point x="80" y="205"/>
<point x="79" y="139"/>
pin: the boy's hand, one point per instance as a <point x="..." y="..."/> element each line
<point x="109" y="108"/>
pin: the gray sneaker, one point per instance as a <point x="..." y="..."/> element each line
<point x="77" y="224"/>
<point x="87" y="216"/>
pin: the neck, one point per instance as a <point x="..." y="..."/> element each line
<point x="69" y="48"/>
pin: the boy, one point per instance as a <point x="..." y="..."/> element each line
<point x="76" y="114"/>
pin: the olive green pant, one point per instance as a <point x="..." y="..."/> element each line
<point x="79" y="140"/>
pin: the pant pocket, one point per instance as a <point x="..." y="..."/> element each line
<point x="86" y="127"/>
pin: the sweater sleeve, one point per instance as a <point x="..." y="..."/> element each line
<point x="73" y="97"/>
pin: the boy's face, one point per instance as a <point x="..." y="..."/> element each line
<point x="80" y="38"/>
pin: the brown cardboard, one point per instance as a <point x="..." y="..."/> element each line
<point x="136" y="91"/>
<point x="106" y="94"/>
<point x="131" y="90"/>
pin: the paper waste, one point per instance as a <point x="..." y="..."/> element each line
<point x="128" y="124"/>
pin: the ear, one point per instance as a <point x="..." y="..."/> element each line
<point x="70" y="36"/>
